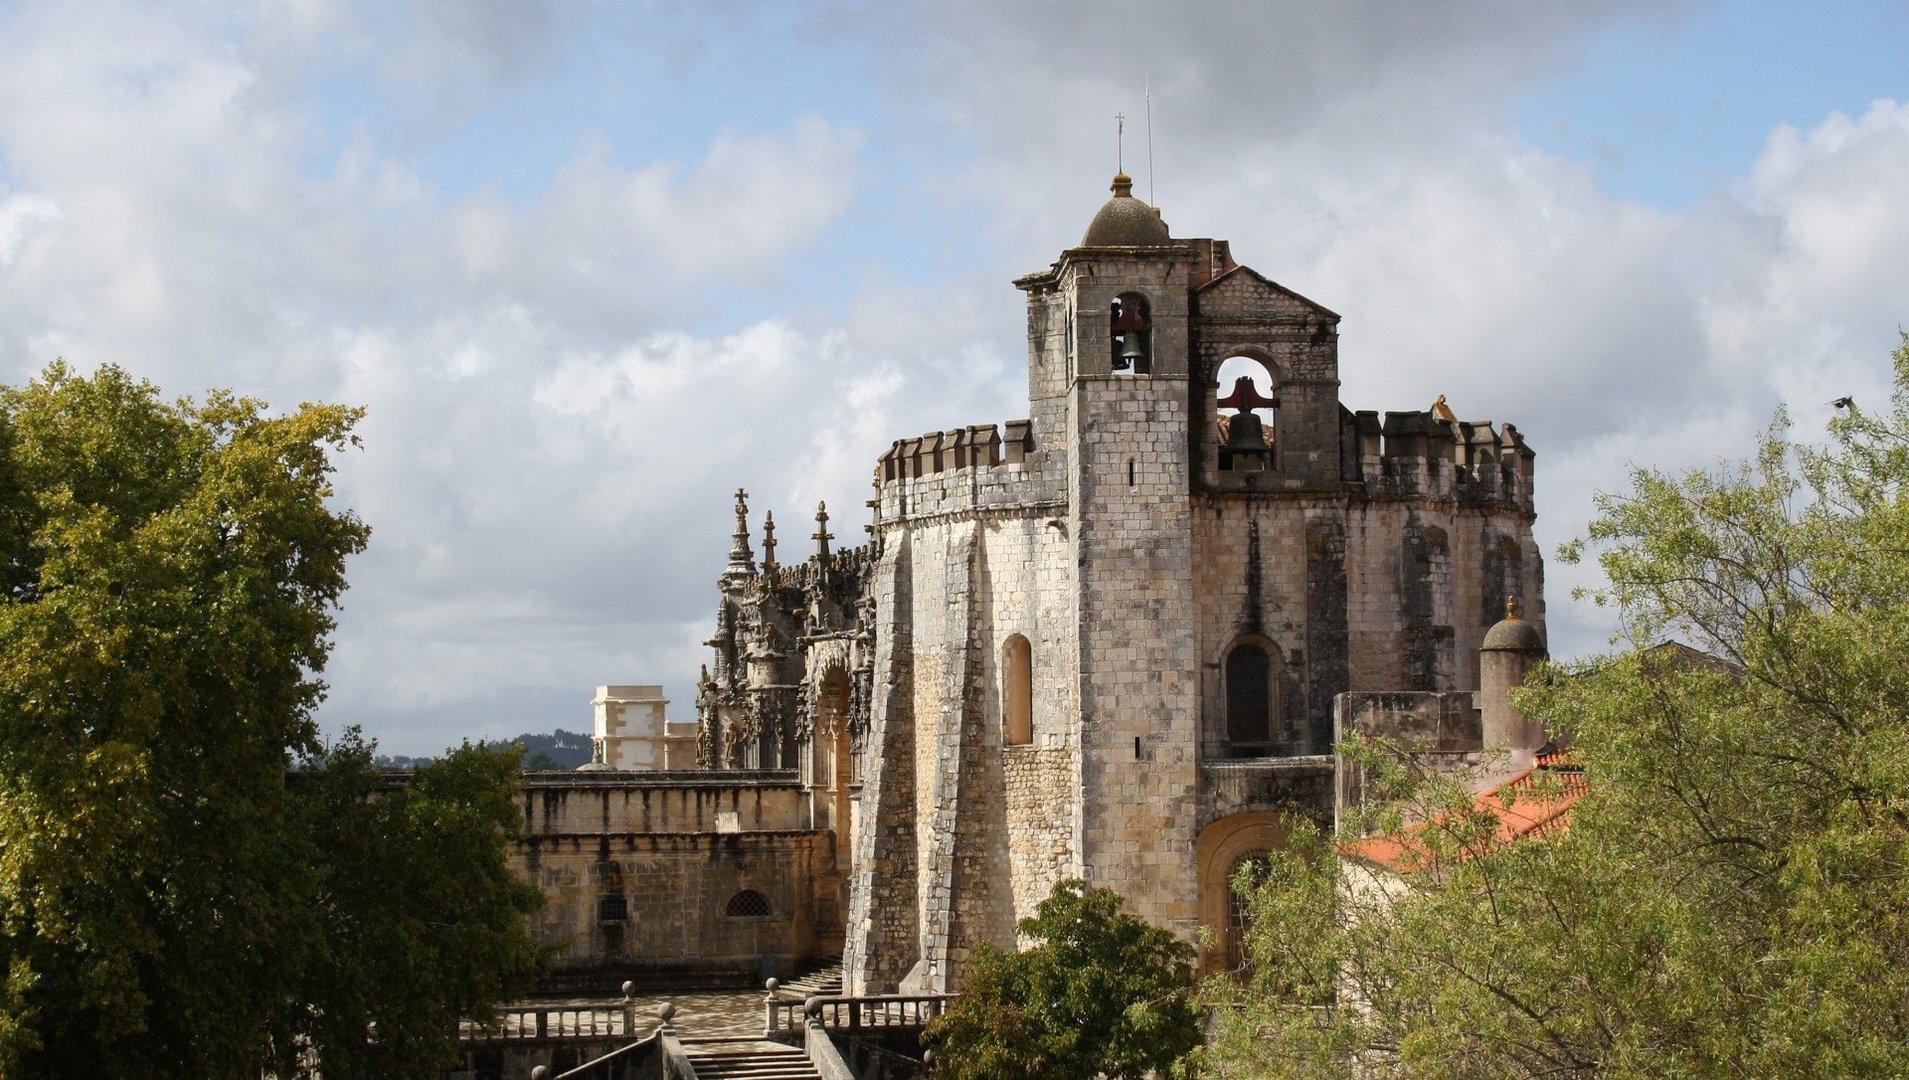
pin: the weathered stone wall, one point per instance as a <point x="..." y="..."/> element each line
<point x="1139" y="664"/>
<point x="973" y="557"/>
<point x="1418" y="589"/>
<point x="1256" y="579"/>
<point x="1298" y="785"/>
<point x="638" y="870"/>
<point x="614" y="803"/>
<point x="1443" y="731"/>
<point x="1040" y="809"/>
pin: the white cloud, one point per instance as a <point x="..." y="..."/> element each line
<point x="565" y="384"/>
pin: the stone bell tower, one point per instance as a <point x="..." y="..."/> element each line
<point x="1109" y="377"/>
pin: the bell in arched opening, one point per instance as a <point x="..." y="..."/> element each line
<point x="1131" y="332"/>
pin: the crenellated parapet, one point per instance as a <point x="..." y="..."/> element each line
<point x="1420" y="455"/>
<point x="979" y="467"/>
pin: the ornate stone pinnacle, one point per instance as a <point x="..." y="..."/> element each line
<point x="769" y="540"/>
<point x="742" y="562"/>
<point x="822" y="536"/>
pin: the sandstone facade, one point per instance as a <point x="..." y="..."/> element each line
<point x="678" y="877"/>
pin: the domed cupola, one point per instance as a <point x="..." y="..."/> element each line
<point x="1126" y="221"/>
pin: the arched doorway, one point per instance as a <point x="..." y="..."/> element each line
<point x="1221" y="849"/>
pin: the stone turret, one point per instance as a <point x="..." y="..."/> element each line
<point x="1511" y="649"/>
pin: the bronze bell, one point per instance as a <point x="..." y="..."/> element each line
<point x="1133" y="350"/>
<point x="1246" y="434"/>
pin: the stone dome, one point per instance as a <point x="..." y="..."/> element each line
<point x="1126" y="221"/>
<point x="1513" y="633"/>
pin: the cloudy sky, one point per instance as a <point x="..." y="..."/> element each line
<point x="593" y="266"/>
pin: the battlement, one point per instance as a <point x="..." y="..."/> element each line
<point x="977" y="467"/>
<point x="976" y="446"/>
<point x="1419" y="454"/>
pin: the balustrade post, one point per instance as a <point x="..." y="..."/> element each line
<point x="769" y="1023"/>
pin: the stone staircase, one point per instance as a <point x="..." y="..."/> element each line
<point x="749" y="1059"/>
<point x="826" y="979"/>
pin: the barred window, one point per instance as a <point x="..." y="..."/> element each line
<point x="612" y="909"/>
<point x="747" y="904"/>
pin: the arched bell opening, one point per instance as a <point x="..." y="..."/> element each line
<point x="1247" y="406"/>
<point x="1131" y="335"/>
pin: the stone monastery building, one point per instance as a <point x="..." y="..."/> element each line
<point x="1105" y="641"/>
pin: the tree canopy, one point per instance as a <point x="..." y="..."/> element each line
<point x="1098" y="993"/>
<point x="169" y="904"/>
<point x="1731" y="897"/>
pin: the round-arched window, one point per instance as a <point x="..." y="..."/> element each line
<point x="1017" y="692"/>
<point x="1249" y="698"/>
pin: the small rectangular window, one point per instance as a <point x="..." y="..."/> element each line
<point x="613" y="909"/>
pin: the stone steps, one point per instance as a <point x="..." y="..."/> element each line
<point x="826" y="979"/>
<point x="751" y="1060"/>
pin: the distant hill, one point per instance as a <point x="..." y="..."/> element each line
<point x="558" y="749"/>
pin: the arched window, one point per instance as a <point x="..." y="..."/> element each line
<point x="747" y="904"/>
<point x="1249" y="700"/>
<point x="1247" y="405"/>
<point x="1017" y="692"/>
<point x="1131" y="334"/>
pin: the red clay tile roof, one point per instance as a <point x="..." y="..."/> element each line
<point x="1521" y="812"/>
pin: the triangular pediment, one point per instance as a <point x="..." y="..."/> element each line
<point x="1244" y="290"/>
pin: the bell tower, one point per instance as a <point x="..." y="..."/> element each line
<point x="1109" y="373"/>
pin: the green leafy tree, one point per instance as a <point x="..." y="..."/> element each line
<point x="168" y="572"/>
<point x="1732" y="896"/>
<point x="422" y="919"/>
<point x="1099" y="993"/>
